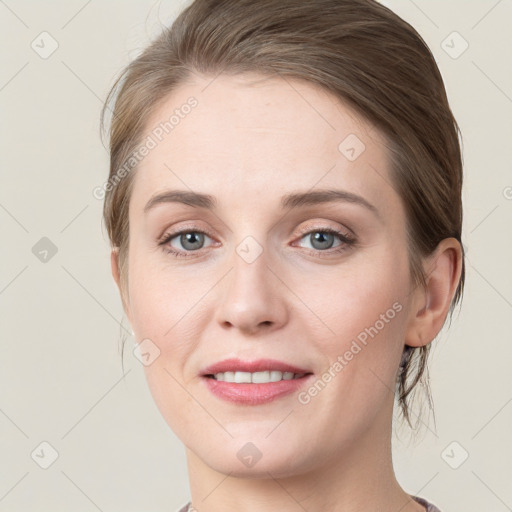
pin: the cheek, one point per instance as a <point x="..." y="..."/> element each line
<point x="366" y="316"/>
<point x="177" y="406"/>
<point x="171" y="308"/>
<point x="363" y="298"/>
<point x="160" y="298"/>
<point x="166" y="309"/>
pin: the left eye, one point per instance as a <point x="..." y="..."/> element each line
<point x="324" y="239"/>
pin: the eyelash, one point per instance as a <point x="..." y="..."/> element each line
<point x="347" y="242"/>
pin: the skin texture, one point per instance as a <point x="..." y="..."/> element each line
<point x="248" y="145"/>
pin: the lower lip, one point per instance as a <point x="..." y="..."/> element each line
<point x="254" y="394"/>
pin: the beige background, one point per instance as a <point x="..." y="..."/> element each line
<point x="61" y="379"/>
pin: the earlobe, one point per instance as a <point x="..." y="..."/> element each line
<point x="431" y="306"/>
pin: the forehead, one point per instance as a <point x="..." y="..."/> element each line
<point x="257" y="136"/>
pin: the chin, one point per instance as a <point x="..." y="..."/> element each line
<point x="260" y="470"/>
<point x="246" y="459"/>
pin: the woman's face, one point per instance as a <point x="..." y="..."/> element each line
<point x="275" y="268"/>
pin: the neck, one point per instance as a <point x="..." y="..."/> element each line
<point x="358" y="477"/>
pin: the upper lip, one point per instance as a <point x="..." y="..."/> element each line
<point x="259" y="365"/>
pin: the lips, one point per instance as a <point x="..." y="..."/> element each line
<point x="253" y="382"/>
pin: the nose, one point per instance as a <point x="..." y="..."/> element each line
<point x="252" y="299"/>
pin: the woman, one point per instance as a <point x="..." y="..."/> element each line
<point x="284" y="207"/>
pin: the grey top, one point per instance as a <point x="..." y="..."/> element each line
<point x="428" y="506"/>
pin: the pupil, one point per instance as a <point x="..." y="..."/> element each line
<point x="321" y="237"/>
<point x="191" y="238"/>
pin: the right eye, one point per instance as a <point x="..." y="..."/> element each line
<point x="189" y="240"/>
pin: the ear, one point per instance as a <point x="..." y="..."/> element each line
<point x="430" y="306"/>
<point x="116" y="274"/>
<point x="114" y="264"/>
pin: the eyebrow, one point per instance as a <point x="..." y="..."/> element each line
<point x="295" y="200"/>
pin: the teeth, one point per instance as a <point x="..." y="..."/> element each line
<point x="242" y="378"/>
<point x="256" y="377"/>
<point x="260" y="377"/>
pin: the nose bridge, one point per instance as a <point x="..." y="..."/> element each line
<point x="252" y="297"/>
<point x="250" y="268"/>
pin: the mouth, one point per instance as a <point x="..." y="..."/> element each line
<point x="253" y="382"/>
<point x="263" y="377"/>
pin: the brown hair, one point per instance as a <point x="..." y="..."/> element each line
<point x="358" y="50"/>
